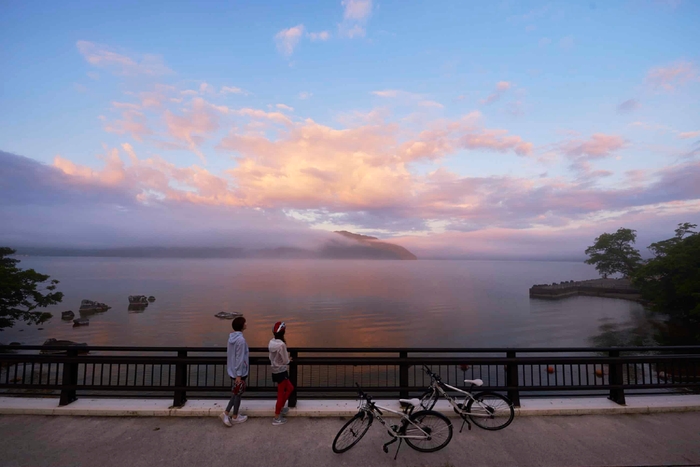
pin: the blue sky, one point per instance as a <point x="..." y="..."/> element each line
<point x="440" y="108"/>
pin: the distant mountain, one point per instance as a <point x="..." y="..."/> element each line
<point x="388" y="250"/>
<point x="352" y="246"/>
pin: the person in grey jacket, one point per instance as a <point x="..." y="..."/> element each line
<point x="237" y="363"/>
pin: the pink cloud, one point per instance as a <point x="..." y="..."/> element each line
<point x="133" y="122"/>
<point x="319" y="36"/>
<point x="671" y="76"/>
<point x="113" y="174"/>
<point x="465" y="133"/>
<point x="501" y="87"/>
<point x="689" y="134"/>
<point x="233" y="90"/>
<point x="193" y="126"/>
<point x="598" y="146"/>
<point x="630" y="105"/>
<point x="288" y="39"/>
<point x="356" y="13"/>
<point x="103" y="57"/>
<point x="357" y="9"/>
<point x="387" y="93"/>
<point x="276" y="117"/>
<point x="355" y="174"/>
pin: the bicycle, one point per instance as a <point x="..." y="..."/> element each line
<point x="424" y="431"/>
<point x="487" y="410"/>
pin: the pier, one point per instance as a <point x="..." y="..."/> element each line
<point x="612" y="288"/>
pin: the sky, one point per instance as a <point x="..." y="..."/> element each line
<point x="456" y="129"/>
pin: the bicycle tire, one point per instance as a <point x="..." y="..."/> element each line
<point x="436" y="424"/>
<point x="428" y="399"/>
<point x="500" y="409"/>
<point x="365" y="421"/>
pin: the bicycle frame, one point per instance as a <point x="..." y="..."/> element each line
<point x="438" y="385"/>
<point x="377" y="411"/>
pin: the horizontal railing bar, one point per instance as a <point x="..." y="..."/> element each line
<point x="360" y="350"/>
<point x="351" y="361"/>
<point x="349" y="389"/>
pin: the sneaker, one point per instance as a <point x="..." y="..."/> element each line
<point x="279" y="421"/>
<point x="225" y="418"/>
<point x="239" y="419"/>
<point x="285" y="411"/>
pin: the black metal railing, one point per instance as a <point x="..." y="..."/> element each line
<point x="181" y="372"/>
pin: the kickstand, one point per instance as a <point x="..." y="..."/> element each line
<point x="464" y="420"/>
<point x="386" y="446"/>
<point x="397" y="448"/>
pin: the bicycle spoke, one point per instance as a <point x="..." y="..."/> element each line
<point x="352" y="432"/>
<point x="491" y="412"/>
<point x="431" y="433"/>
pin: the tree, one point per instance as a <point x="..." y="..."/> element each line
<point x="20" y="292"/>
<point x="614" y="253"/>
<point x="671" y="280"/>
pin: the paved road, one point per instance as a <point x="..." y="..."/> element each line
<point x="658" y="439"/>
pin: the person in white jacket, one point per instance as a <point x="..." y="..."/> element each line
<point x="237" y="363"/>
<point x="279" y="359"/>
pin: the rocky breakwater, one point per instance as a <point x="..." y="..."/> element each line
<point x="613" y="288"/>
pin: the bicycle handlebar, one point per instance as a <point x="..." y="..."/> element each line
<point x="432" y="375"/>
<point x="368" y="398"/>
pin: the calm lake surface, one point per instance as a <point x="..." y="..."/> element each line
<point x="328" y="303"/>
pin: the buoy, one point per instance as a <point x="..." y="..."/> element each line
<point x="464" y="367"/>
<point x="599" y="373"/>
<point x="550" y="369"/>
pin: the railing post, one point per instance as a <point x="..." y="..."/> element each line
<point x="617" y="394"/>
<point x="512" y="379"/>
<point x="403" y="375"/>
<point x="293" y="378"/>
<point x="70" y="378"/>
<point x="180" y="380"/>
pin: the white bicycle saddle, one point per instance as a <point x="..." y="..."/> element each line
<point x="475" y="382"/>
<point x="414" y="402"/>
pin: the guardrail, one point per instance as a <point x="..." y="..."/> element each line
<point x="332" y="372"/>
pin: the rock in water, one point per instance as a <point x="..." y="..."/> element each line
<point x="138" y="300"/>
<point x="48" y="343"/>
<point x="90" y="306"/>
<point x="227" y="315"/>
<point x="81" y="322"/>
<point x="67" y="315"/>
<point x="151" y="298"/>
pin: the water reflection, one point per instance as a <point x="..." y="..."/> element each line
<point x="326" y="303"/>
<point x="641" y="328"/>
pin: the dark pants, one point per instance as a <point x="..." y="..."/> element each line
<point x="235" y="401"/>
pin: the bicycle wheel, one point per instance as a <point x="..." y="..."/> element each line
<point x="428" y="399"/>
<point x="436" y="425"/>
<point x="352" y="432"/>
<point x="491" y="411"/>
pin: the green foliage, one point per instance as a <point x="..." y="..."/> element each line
<point x="614" y="253"/>
<point x="671" y="280"/>
<point x="20" y="292"/>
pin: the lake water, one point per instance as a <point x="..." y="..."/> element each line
<point x="328" y="303"/>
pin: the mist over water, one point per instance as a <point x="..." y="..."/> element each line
<point x="327" y="303"/>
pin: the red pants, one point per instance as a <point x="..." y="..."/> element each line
<point x="284" y="390"/>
